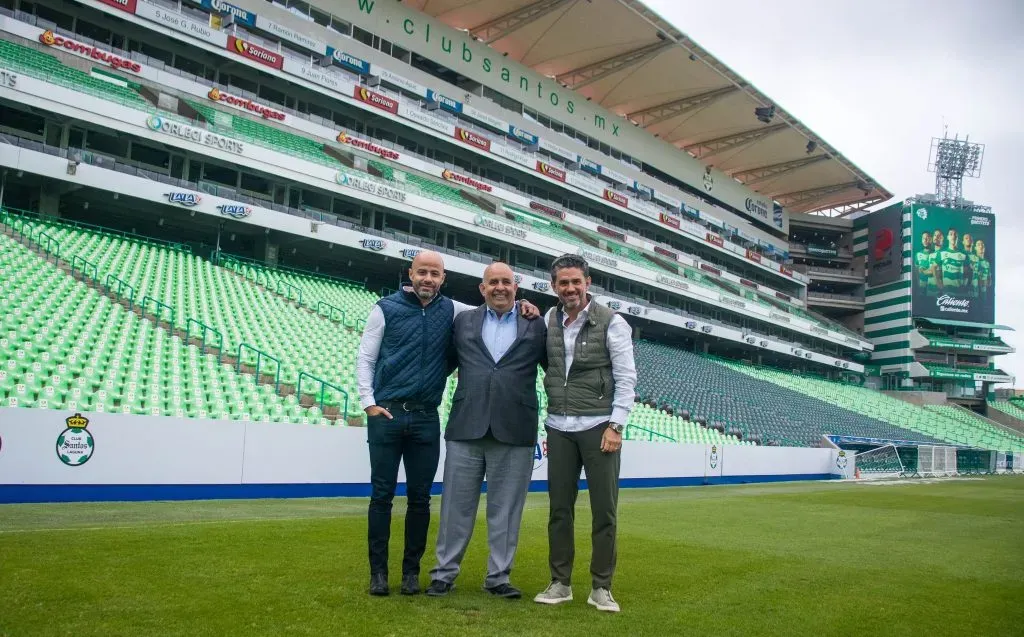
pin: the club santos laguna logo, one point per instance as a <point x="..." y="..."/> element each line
<point x="709" y="180"/>
<point x="75" y="445"/>
<point x="713" y="457"/>
<point x="841" y="460"/>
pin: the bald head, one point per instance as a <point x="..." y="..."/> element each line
<point x="499" y="288"/>
<point x="429" y="258"/>
<point x="427" y="275"/>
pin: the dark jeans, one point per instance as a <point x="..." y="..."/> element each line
<point x="567" y="454"/>
<point x="412" y="437"/>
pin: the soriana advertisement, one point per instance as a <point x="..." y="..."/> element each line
<point x="49" y="38"/>
<point x="383" y="102"/>
<point x="473" y="139"/>
<point x="554" y="172"/>
<point x="246" y="49"/>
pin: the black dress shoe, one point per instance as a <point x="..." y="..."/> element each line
<point x="410" y="584"/>
<point x="506" y="591"/>
<point x="439" y="588"/>
<point x="379" y="584"/>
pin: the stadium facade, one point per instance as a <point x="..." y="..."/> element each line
<point x="342" y="138"/>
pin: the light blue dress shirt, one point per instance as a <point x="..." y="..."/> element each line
<point x="499" y="332"/>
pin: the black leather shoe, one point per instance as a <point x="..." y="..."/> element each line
<point x="410" y="584"/>
<point x="439" y="588"/>
<point x="379" y="585"/>
<point x="506" y="591"/>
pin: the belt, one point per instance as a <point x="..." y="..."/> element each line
<point x="405" y="405"/>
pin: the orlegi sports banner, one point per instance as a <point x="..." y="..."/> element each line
<point x="954" y="264"/>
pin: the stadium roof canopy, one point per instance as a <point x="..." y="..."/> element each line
<point x="648" y="71"/>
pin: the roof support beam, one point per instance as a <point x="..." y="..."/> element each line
<point x="498" y="28"/>
<point x="578" y="78"/>
<point x="761" y="174"/>
<point x="851" y="208"/>
<point x="712" y="147"/>
<point x="801" y="200"/>
<point x="660" y="112"/>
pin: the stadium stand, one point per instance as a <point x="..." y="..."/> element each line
<point x="248" y="303"/>
<point x="1008" y="407"/>
<point x="986" y="433"/>
<point x="924" y="425"/>
<point x="40" y="65"/>
<point x="714" y="392"/>
<point x="67" y="346"/>
<point x="255" y="327"/>
<point x="266" y="135"/>
<point x="244" y="327"/>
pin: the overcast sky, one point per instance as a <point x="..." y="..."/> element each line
<point x="878" y="79"/>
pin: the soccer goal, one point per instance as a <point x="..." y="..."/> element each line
<point x="936" y="461"/>
<point x="880" y="462"/>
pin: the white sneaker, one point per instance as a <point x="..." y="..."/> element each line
<point x="555" y="593"/>
<point x="601" y="599"/>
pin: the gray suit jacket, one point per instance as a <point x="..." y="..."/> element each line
<point x="501" y="396"/>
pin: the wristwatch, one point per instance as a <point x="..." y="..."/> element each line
<point x="616" y="427"/>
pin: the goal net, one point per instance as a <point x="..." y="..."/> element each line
<point x="880" y="462"/>
<point x="935" y="461"/>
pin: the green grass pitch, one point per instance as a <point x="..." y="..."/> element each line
<point x="914" y="558"/>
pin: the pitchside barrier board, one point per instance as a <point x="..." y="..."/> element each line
<point x="55" y="456"/>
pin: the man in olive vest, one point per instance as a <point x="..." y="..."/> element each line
<point x="590" y="382"/>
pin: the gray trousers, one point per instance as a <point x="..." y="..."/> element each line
<point x="568" y="452"/>
<point x="508" y="470"/>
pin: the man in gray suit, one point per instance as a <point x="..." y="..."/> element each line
<point x="491" y="431"/>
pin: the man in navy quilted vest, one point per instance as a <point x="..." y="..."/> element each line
<point x="402" y="368"/>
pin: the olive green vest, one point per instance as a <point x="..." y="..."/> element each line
<point x="589" y="387"/>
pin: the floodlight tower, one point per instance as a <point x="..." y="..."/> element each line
<point x="951" y="160"/>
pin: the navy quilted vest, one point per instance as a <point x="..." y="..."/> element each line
<point x="413" y="360"/>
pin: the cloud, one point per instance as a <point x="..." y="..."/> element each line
<point x="878" y="80"/>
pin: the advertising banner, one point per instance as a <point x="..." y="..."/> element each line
<point x="254" y="52"/>
<point x="178" y="22"/>
<point x="885" y="245"/>
<point x="953" y="264"/>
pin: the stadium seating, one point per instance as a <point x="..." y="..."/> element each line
<point x="272" y="308"/>
<point x="40" y="65"/>
<point x="923" y="425"/>
<point x="712" y="390"/>
<point x="255" y="132"/>
<point x="67" y="346"/>
<point x="249" y="321"/>
<point x="1008" y="407"/>
<point x="985" y="433"/>
<point x="328" y="296"/>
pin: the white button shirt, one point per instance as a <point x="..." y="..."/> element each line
<point x="620" y="348"/>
